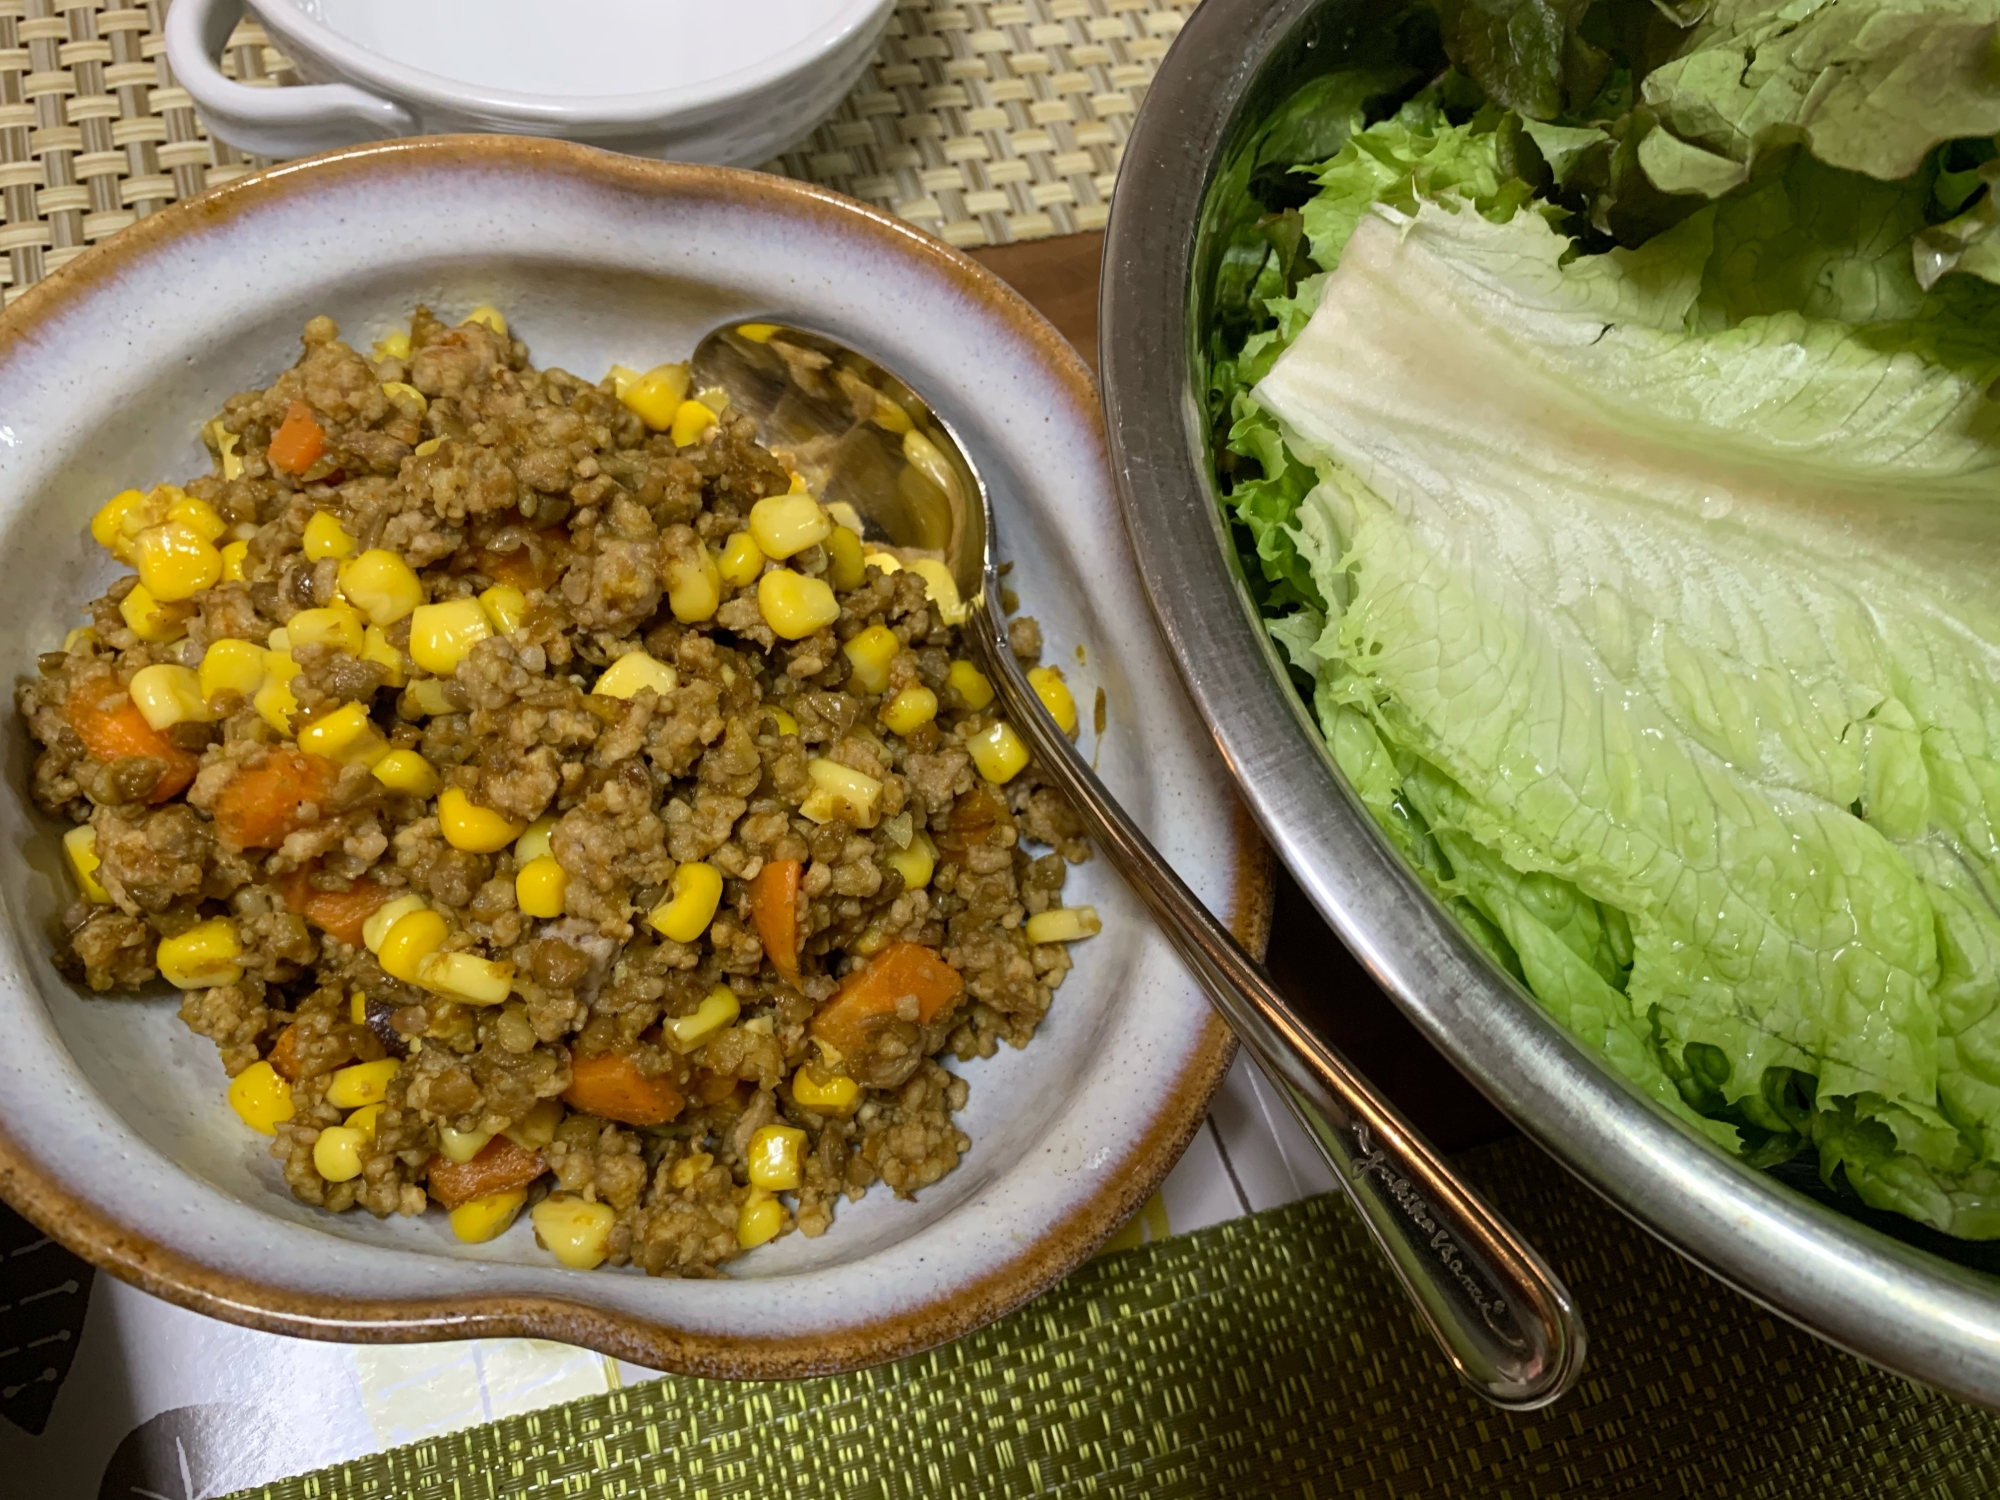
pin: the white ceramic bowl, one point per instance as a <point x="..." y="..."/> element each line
<point x="114" y="1134"/>
<point x="680" y="79"/>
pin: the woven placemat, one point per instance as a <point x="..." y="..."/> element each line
<point x="981" y="123"/>
<point x="1270" y="1355"/>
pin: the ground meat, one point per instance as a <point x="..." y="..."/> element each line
<point x="614" y="1055"/>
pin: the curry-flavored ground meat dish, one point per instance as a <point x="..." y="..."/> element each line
<point x="538" y="795"/>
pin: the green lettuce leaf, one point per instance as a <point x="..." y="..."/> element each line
<point x="1679" y="648"/>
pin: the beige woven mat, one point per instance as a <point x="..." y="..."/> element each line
<point x="982" y="123"/>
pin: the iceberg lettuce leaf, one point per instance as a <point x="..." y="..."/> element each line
<point x="1682" y="643"/>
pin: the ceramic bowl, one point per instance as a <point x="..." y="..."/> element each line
<point x="114" y="1134"/>
<point x="728" y="84"/>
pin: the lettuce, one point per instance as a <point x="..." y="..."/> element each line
<point x="1659" y="634"/>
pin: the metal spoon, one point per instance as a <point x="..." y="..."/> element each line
<point x="861" y="436"/>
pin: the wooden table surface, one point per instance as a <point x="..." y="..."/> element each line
<point x="1306" y="960"/>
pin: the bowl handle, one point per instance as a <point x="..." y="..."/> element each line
<point x="270" y="121"/>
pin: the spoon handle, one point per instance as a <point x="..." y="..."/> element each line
<point x="1504" y="1320"/>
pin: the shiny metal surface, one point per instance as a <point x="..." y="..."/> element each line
<point x="1896" y="1305"/>
<point x="1502" y="1318"/>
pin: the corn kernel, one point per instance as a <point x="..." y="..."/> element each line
<point x="941" y="587"/>
<point x="487" y="1218"/>
<point x="757" y="333"/>
<point x="280" y="639"/>
<point x="741" y="561"/>
<point x="427" y="447"/>
<point x="406" y="398"/>
<point x="431" y="696"/>
<point x="151" y="620"/>
<point x="911" y="709"/>
<point x="871" y="653"/>
<point x="635" y="670"/>
<point x="759" y="1220"/>
<point x="233" y="558"/>
<point x="202" y="957"/>
<point x="798" y="486"/>
<point x="176" y="562"/>
<point x="415" y="936"/>
<point x="326" y="537"/>
<point x="689" y="1168"/>
<point x="199" y="517"/>
<point x="533" y="842"/>
<point x="337" y="627"/>
<point x="346" y="735"/>
<point x="468" y="826"/>
<point x="167" y="695"/>
<point x="504" y="606"/>
<point x="82" y="635"/>
<point x="774" y="1157"/>
<point x="816" y="1088"/>
<point x="623" y="378"/>
<point x="694" y="586"/>
<point x="357" y="1007"/>
<point x="697" y="892"/>
<point x="467" y="977"/>
<point x="368" y="1118"/>
<point x="997" y="752"/>
<point x="121" y="518"/>
<point x="261" y="1098"/>
<point x="783" y="525"/>
<point x="718" y="1009"/>
<point x="442" y="635"/>
<point x="540" y="887"/>
<point x="386" y="916"/>
<point x="337" y="1153"/>
<point x="461" y="1145"/>
<point x="884" y="563"/>
<point x="381" y="585"/>
<point x="914" y="863"/>
<point x="785" y="722"/>
<point x="225" y="444"/>
<point x="273" y="700"/>
<point x="966" y="680"/>
<point x="1055" y="695"/>
<point x="1064" y="924"/>
<point x="394" y="345"/>
<point x="691" y="420"/>
<point x="375" y="647"/>
<point x="230" y="666"/>
<point x="656" y="396"/>
<point x="537" y="1127"/>
<point x="841" y="792"/>
<point x="408" y="772"/>
<point x="80" y="846"/>
<point x="575" y="1232"/>
<point x="846" y="568"/>
<point x="793" y="605"/>
<point x="489" y="315"/>
<point x="361" y="1083"/>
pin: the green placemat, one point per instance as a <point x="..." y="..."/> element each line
<point x="1269" y="1355"/>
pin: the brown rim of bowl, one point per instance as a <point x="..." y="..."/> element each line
<point x="127" y="1252"/>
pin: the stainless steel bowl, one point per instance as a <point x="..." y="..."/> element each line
<point x="1900" y="1306"/>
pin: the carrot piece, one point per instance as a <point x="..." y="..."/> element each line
<point x="774" y="906"/>
<point x="340" y="913"/>
<point x="867" y="1001"/>
<point x="299" y="441"/>
<point x="500" y="1164"/>
<point x="284" y="1058"/>
<point x="261" y="806"/>
<point x="119" y="731"/>
<point x="611" y="1087"/>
